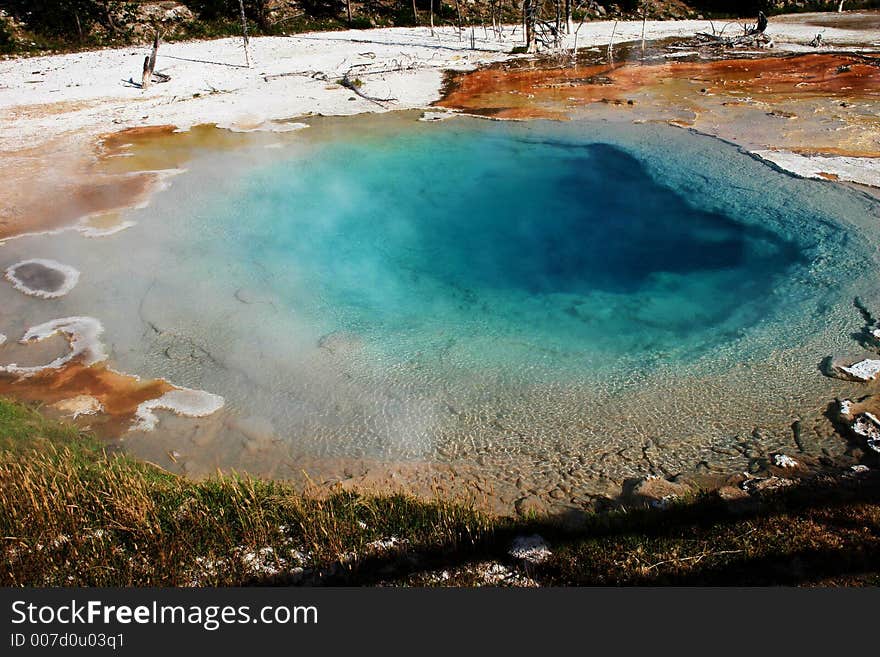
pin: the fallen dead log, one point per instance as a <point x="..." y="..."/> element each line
<point x="354" y="85"/>
<point x="753" y="35"/>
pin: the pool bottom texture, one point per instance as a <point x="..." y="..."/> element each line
<point x="621" y="298"/>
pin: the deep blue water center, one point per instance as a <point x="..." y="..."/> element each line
<point x="585" y="217"/>
<point x="566" y="245"/>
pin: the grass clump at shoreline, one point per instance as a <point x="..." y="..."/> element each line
<point x="75" y="514"/>
<point x="72" y="513"/>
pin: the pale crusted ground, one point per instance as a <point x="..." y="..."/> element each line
<point x="89" y="93"/>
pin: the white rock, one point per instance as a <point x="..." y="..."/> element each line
<point x="760" y="484"/>
<point x="663" y="503"/>
<point x="864" y="370"/>
<point x="385" y="544"/>
<point x="783" y="461"/>
<point x="263" y="561"/>
<point x="533" y="549"/>
<point x="79" y="405"/>
<point x="865" y="426"/>
<point x="497" y="574"/>
<point x="868" y="426"/>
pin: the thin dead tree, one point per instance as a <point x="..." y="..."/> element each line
<point x="529" y="15"/>
<point x="150" y="63"/>
<point x="492" y="16"/>
<point x="611" y="43"/>
<point x="430" y="14"/>
<point x="574" y="46"/>
<point x="558" y="7"/>
<point x="79" y="27"/>
<point x="458" y="12"/>
<point x="415" y="12"/>
<point x="244" y="33"/>
<point x="348" y="9"/>
<point x="840" y="7"/>
<point x="644" y="22"/>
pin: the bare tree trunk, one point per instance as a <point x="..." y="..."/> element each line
<point x="529" y="24"/>
<point x="568" y="19"/>
<point x="558" y="8"/>
<point x="147" y="74"/>
<point x="840" y="7"/>
<point x="415" y="12"/>
<point x="458" y="11"/>
<point x="644" y="21"/>
<point x="611" y="44"/>
<point x="108" y="14"/>
<point x="431" y="14"/>
<point x="492" y="13"/>
<point x="348" y="8"/>
<point x="150" y="63"/>
<point x="244" y="33"/>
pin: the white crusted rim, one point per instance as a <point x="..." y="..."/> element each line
<point x="70" y="274"/>
<point x="83" y="334"/>
<point x="862" y="170"/>
<point x="265" y="126"/>
<point x="182" y="401"/>
<point x="431" y="117"/>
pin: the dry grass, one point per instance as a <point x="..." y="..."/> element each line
<point x="72" y="514"/>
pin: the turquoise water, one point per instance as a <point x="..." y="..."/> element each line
<point x="541" y="245"/>
<point x="519" y="296"/>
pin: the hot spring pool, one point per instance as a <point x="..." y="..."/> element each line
<point x="593" y="298"/>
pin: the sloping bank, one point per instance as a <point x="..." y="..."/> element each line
<point x="73" y="514"/>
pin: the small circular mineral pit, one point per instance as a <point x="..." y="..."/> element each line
<point x="46" y="279"/>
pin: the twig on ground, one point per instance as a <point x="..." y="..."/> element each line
<point x="695" y="558"/>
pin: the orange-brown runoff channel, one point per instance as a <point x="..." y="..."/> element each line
<point x="118" y="394"/>
<point x="820" y="92"/>
<point x="66" y="183"/>
<point x="57" y="187"/>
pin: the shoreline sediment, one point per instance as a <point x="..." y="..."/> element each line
<point x="135" y="187"/>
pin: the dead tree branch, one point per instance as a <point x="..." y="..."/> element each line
<point x="753" y="35"/>
<point x="244" y="34"/>
<point x="354" y="85"/>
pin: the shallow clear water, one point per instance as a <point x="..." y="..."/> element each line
<point x="542" y="293"/>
